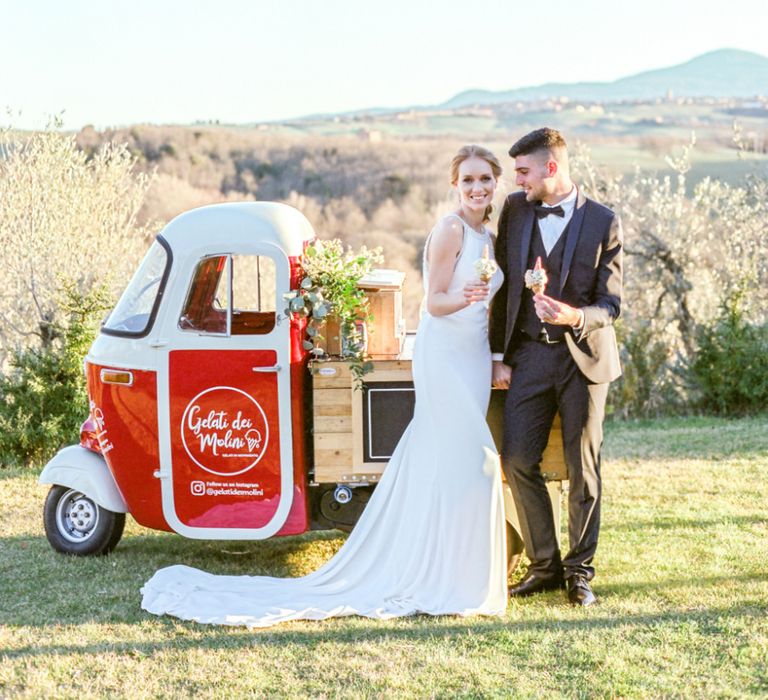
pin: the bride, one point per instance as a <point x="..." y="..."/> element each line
<point x="431" y="539"/>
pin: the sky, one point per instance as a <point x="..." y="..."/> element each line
<point x="119" y="62"/>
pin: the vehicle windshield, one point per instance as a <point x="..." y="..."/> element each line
<point x="137" y="306"/>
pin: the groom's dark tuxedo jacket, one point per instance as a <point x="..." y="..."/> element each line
<point x="590" y="279"/>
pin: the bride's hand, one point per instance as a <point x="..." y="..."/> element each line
<point x="475" y="290"/>
<point x="502" y="375"/>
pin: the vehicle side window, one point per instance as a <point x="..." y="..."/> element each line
<point x="207" y="304"/>
<point x="253" y="294"/>
<point x="231" y="294"/>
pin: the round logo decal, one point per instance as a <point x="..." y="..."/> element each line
<point x="224" y="431"/>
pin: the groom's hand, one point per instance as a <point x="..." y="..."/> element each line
<point x="502" y="375"/>
<point x="556" y="312"/>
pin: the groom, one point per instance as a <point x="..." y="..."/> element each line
<point x="555" y="351"/>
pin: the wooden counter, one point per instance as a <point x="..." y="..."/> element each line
<point x="354" y="431"/>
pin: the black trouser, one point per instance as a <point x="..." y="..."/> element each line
<point x="545" y="380"/>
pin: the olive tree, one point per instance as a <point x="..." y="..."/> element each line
<point x="66" y="217"/>
<point x="689" y="249"/>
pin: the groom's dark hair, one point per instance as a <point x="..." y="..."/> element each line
<point x="545" y="139"/>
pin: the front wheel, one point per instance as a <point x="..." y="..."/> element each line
<point x="75" y="524"/>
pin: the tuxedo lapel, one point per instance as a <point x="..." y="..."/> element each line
<point x="572" y="237"/>
<point x="525" y="238"/>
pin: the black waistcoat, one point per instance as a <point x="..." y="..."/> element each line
<point x="527" y="320"/>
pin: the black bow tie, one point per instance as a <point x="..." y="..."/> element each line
<point x="542" y="211"/>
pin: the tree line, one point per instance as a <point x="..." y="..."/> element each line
<point x="77" y="212"/>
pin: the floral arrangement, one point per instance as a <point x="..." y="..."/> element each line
<point x="329" y="293"/>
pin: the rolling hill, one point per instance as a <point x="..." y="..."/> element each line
<point x="722" y="73"/>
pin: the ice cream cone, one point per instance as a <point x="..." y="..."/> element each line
<point x="485" y="267"/>
<point x="536" y="279"/>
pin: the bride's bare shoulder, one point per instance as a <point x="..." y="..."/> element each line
<point x="448" y="232"/>
<point x="446" y="239"/>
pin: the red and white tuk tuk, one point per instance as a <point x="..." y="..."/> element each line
<point x="207" y="417"/>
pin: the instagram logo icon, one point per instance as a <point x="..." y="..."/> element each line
<point x="197" y="488"/>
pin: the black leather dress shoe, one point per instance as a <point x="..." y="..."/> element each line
<point x="534" y="583"/>
<point x="579" y="591"/>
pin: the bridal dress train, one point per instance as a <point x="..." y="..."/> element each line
<point x="431" y="539"/>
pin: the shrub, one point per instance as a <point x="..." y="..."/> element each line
<point x="730" y="369"/>
<point x="43" y="398"/>
<point x="644" y="389"/>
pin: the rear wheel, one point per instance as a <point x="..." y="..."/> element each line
<point x="76" y="524"/>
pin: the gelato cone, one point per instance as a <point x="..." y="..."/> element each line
<point x="485" y="267"/>
<point x="536" y="279"/>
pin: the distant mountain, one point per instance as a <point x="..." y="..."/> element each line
<point x="722" y="73"/>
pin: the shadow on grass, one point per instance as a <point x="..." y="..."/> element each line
<point x="35" y="581"/>
<point x="153" y="550"/>
<point x="272" y="557"/>
<point x="662" y="523"/>
<point x="415" y="629"/>
<point x="115" y="580"/>
<point x="606" y="590"/>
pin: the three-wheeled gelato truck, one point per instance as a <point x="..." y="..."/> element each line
<point x="208" y="415"/>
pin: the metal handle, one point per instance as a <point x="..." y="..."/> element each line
<point x="276" y="368"/>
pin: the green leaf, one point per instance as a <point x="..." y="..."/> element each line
<point x="297" y="304"/>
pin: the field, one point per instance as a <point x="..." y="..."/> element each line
<point x="682" y="582"/>
<point x="623" y="135"/>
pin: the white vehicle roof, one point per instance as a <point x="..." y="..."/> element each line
<point x="240" y="222"/>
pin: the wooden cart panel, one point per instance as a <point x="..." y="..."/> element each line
<point x="340" y="428"/>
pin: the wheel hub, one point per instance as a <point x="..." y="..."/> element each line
<point x="76" y="516"/>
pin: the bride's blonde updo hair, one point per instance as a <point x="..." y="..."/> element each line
<point x="475" y="151"/>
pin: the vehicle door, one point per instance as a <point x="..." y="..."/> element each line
<point x="224" y="397"/>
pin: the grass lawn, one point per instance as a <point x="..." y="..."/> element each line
<point x="682" y="580"/>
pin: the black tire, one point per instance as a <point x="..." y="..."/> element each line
<point x="75" y="524"/>
<point x="515" y="549"/>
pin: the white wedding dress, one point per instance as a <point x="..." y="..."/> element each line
<point x="432" y="537"/>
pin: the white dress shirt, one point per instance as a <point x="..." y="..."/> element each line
<point x="552" y="226"/>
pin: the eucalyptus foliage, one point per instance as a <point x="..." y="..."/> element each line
<point x="329" y="294"/>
